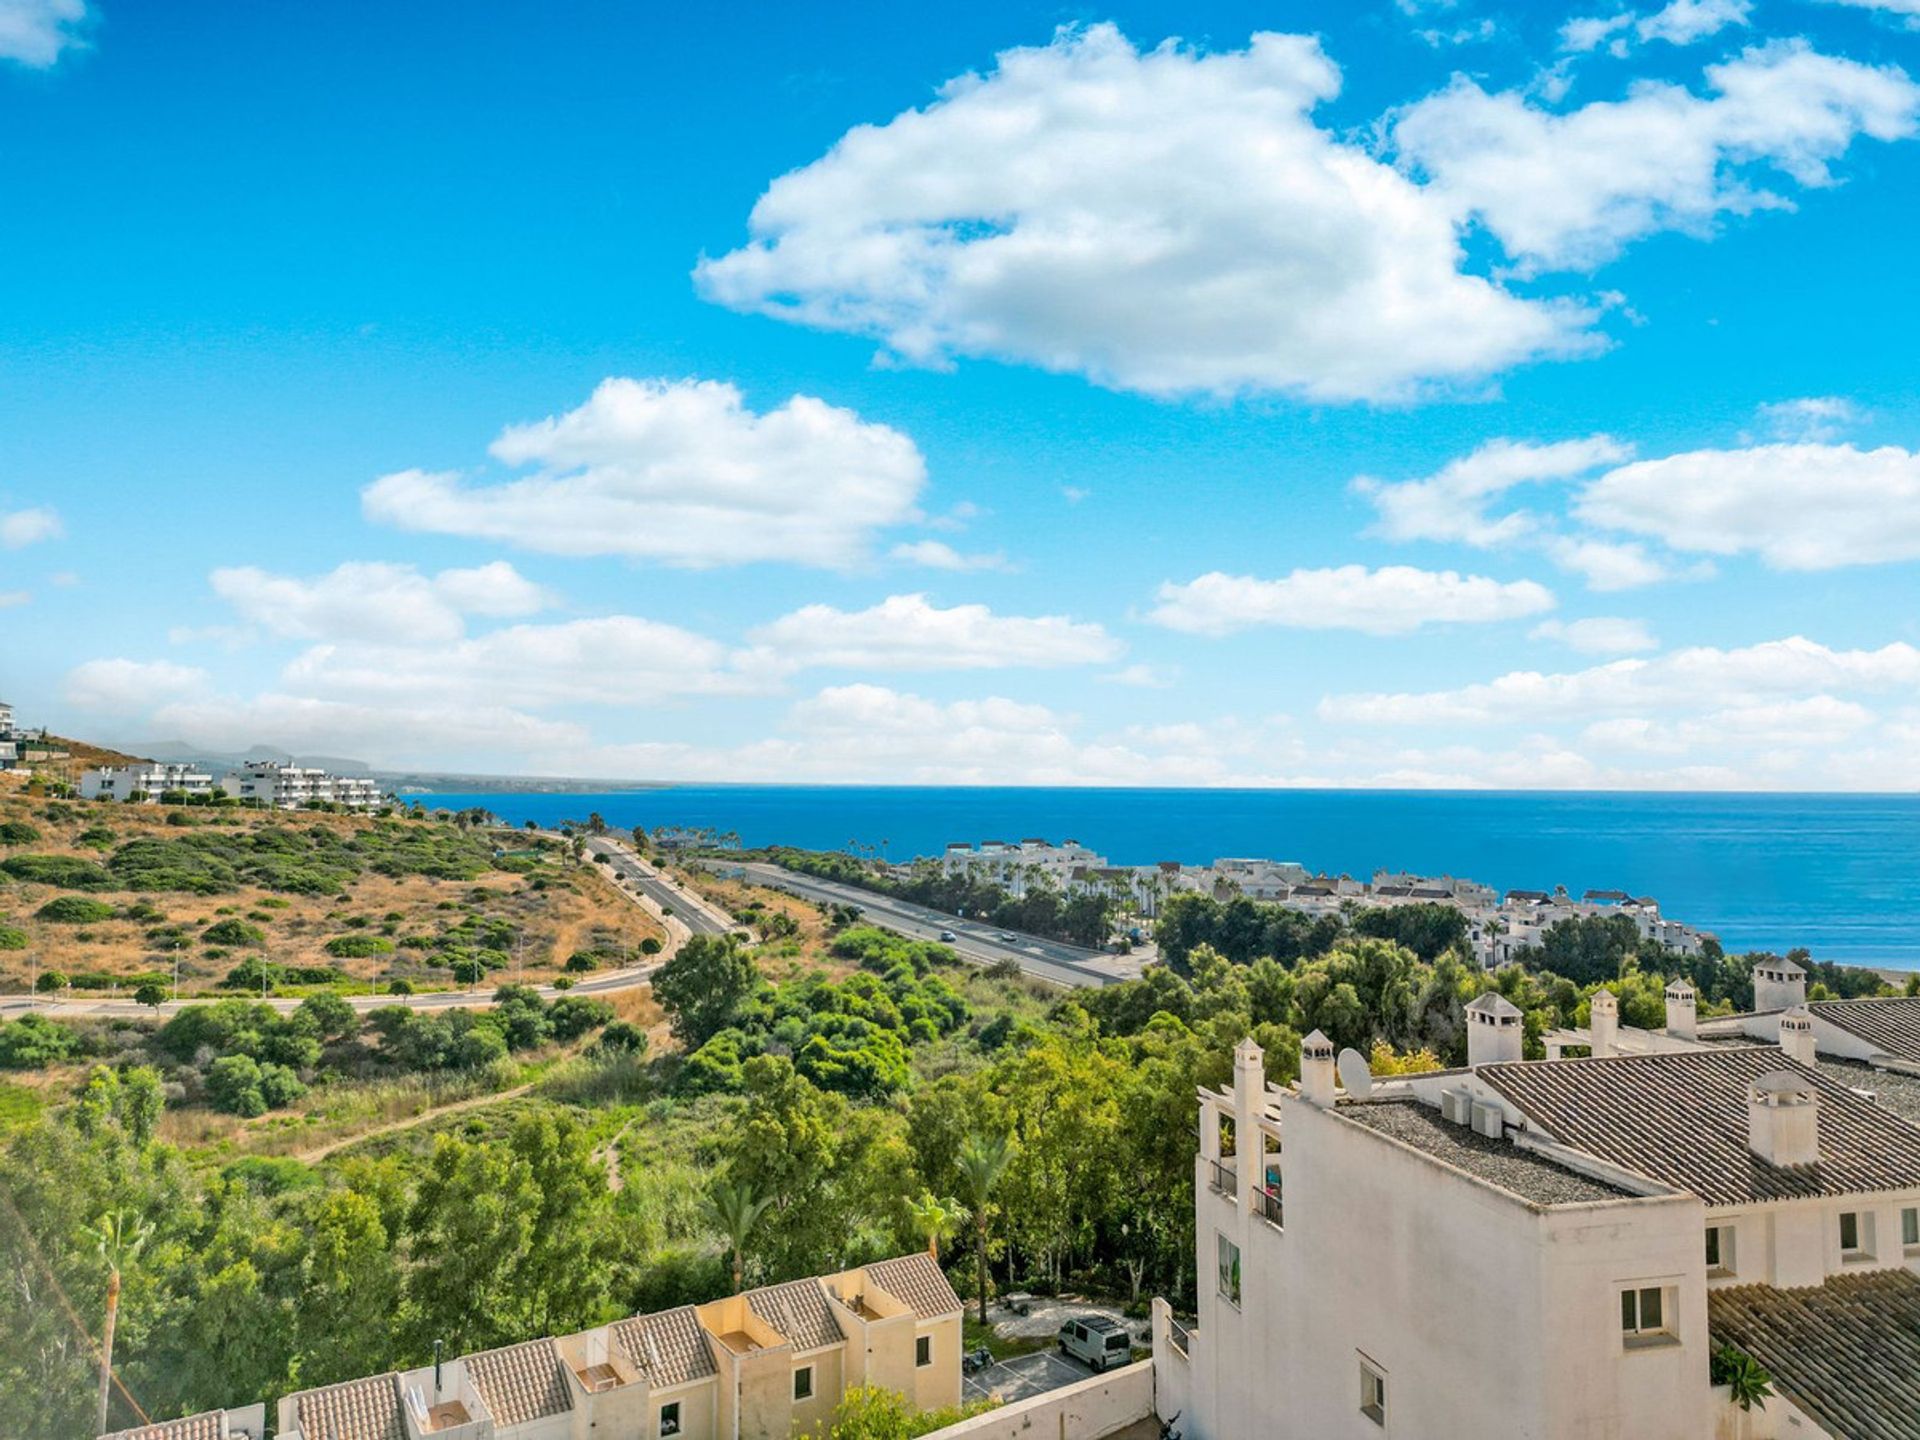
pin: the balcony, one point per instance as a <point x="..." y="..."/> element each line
<point x="1266" y="1204"/>
<point x="1225" y="1180"/>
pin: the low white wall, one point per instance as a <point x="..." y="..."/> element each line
<point x="1085" y="1411"/>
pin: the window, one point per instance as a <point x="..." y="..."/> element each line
<point x="1373" y="1391"/>
<point x="1720" y="1250"/>
<point x="1910" y="1226"/>
<point x="670" y="1418"/>
<point x="1229" y="1268"/>
<point x="923" y="1350"/>
<point x="1644" y="1312"/>
<point x="803" y="1383"/>
<point x="1856" y="1234"/>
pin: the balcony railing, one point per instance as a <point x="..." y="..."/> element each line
<point x="1180" y="1338"/>
<point x="1266" y="1205"/>
<point x="1226" y="1180"/>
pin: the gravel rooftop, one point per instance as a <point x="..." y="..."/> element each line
<point x="1530" y="1176"/>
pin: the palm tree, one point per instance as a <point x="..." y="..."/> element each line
<point x="119" y="1241"/>
<point x="983" y="1160"/>
<point x="733" y="1209"/>
<point x="935" y="1217"/>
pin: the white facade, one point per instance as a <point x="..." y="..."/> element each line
<point x="1468" y="1271"/>
<point x="146" y="781"/>
<point x="294" y="787"/>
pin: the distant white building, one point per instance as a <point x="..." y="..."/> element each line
<point x="147" y="780"/>
<point x="1014" y="865"/>
<point x="1259" y="879"/>
<point x="294" y="787"/>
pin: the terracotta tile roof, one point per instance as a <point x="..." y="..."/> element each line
<point x="208" y="1425"/>
<point x="799" y="1311"/>
<point x="521" y="1382"/>
<point x="353" y="1410"/>
<point x="918" y="1281"/>
<point x="1892" y="1024"/>
<point x="1846" y="1352"/>
<point x="670" y="1346"/>
<point x="1681" y="1117"/>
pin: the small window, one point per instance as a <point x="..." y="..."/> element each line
<point x="1644" y="1314"/>
<point x="1856" y="1234"/>
<point x="670" y="1418"/>
<point x="1720" y="1250"/>
<point x="1373" y="1392"/>
<point x="803" y="1383"/>
<point x="923" y="1350"/>
<point x="1119" y="1342"/>
<point x="1910" y="1226"/>
<point x="1229" y="1269"/>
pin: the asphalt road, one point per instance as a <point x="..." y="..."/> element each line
<point x="1046" y="959"/>
<point x="699" y="916"/>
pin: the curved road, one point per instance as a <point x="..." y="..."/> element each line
<point x="1053" y="960"/>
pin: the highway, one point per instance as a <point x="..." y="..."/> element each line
<point x="700" y="916"/>
<point x="1053" y="960"/>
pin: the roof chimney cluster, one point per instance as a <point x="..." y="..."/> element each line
<point x="1494" y="1031"/>
<point x="1783" y="1119"/>
<point x="1683" y="1010"/>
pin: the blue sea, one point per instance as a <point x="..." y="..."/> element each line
<point x="1839" y="874"/>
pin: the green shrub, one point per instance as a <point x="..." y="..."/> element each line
<point x="399" y="987"/>
<point x="571" y="1016"/>
<point x="355" y="947"/>
<point x="650" y="945"/>
<point x="12" y="938"/>
<point x="17" y="832"/>
<point x="33" y="1041"/>
<point x="75" y="910"/>
<point x="64" y="872"/>
<point x="232" y="932"/>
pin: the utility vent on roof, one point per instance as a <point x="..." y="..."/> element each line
<point x="1488" y="1119"/>
<point x="1457" y="1106"/>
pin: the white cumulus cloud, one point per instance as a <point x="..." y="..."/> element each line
<point x="907" y="632"/>
<point x="938" y="555"/>
<point x="1170" y="221"/>
<point x="372" y="600"/>
<point x="1452" y="503"/>
<point x="36" y="32"/>
<point x="1797" y="507"/>
<point x="1393" y="600"/>
<point x="1699" y="678"/>
<point x="1598" y="635"/>
<point x="678" y="471"/>
<point x="22" y="528"/>
<point x="1569" y="190"/>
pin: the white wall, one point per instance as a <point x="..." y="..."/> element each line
<point x="1085" y="1411"/>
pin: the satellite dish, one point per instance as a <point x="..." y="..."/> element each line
<point x="1355" y="1074"/>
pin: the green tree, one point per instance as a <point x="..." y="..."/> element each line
<point x="731" y="1207"/>
<point x="118" y="1238"/>
<point x="703" y="986"/>
<point x="151" y="994"/>
<point x="935" y="1218"/>
<point x="983" y="1160"/>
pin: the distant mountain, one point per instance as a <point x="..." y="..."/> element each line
<point x="179" y="752"/>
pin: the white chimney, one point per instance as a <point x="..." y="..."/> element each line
<point x="1316" y="1070"/>
<point x="1603" y="1023"/>
<point x="1249" y="1082"/>
<point x="1778" y="985"/>
<point x="1796" y="1035"/>
<point x="1783" y="1119"/>
<point x="1682" y="1010"/>
<point x="1494" y="1028"/>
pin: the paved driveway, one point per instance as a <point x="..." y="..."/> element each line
<point x="1025" y="1376"/>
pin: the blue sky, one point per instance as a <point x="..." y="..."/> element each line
<point x="1366" y="393"/>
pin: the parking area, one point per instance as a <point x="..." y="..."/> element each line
<point x="1025" y="1376"/>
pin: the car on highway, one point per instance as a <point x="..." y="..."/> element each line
<point x="1008" y="936"/>
<point x="947" y="937"/>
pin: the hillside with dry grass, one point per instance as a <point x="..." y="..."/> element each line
<point x="104" y="894"/>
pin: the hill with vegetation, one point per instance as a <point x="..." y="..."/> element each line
<point x="97" y="896"/>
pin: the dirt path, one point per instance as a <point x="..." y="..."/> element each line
<point x="320" y="1152"/>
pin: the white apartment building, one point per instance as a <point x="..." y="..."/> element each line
<point x="1259" y="879"/>
<point x="768" y="1364"/>
<point x="294" y="787"/>
<point x="1552" y="1250"/>
<point x="1013" y="865"/>
<point x="147" y="780"/>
